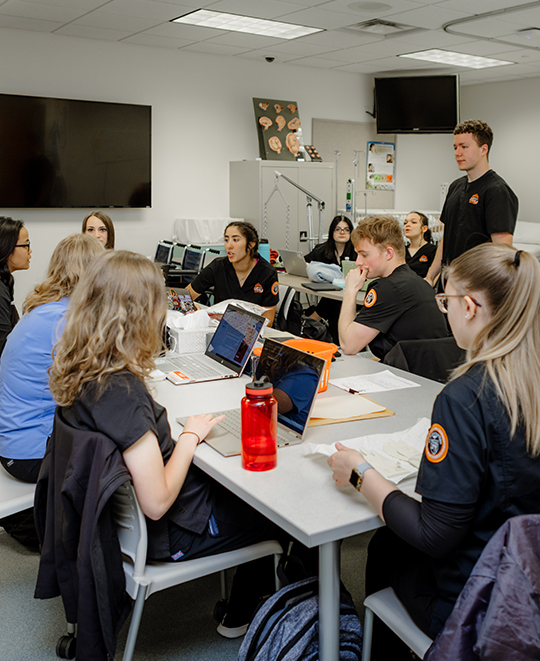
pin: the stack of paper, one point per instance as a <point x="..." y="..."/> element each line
<point x="396" y="456"/>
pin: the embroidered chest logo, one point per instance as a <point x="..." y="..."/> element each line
<point x="436" y="444"/>
<point x="371" y="297"/>
<point x="474" y="199"/>
<point x="275" y="288"/>
<point x="423" y="258"/>
<point x="258" y="289"/>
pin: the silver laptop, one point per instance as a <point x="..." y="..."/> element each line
<point x="294" y="262"/>
<point x="295" y="376"/>
<point x="227" y="354"/>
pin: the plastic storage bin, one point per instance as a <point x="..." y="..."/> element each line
<point x="324" y="350"/>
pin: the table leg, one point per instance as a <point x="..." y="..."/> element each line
<point x="329" y="571"/>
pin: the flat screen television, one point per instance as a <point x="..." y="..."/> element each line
<point x="68" y="153"/>
<point x="418" y="104"/>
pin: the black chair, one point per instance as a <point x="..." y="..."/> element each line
<point x="433" y="359"/>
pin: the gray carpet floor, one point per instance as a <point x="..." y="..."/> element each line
<point x="177" y="624"/>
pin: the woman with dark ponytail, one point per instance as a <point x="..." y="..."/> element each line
<point x="14" y="256"/>
<point x="420" y="251"/>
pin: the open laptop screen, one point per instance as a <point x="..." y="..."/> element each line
<point x="234" y="339"/>
<point x="295" y="376"/>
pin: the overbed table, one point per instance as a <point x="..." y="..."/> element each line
<point x="300" y="495"/>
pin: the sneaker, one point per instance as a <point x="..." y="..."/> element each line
<point x="227" y="631"/>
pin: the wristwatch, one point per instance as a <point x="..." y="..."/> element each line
<point x="357" y="475"/>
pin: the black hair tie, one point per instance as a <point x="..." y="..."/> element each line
<point x="517" y="257"/>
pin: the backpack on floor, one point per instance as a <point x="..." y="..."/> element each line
<point x="286" y="627"/>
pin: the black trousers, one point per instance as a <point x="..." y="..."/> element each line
<point x="21" y="525"/>
<point x="394" y="563"/>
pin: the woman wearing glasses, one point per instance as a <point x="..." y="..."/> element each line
<point x="14" y="256"/>
<point x="336" y="248"/>
<point x="482" y="455"/>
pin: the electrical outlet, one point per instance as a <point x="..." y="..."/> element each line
<point x="444" y="191"/>
<point x="303" y="237"/>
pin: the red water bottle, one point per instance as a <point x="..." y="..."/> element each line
<point x="259" y="427"/>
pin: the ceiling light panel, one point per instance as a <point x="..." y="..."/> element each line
<point x="456" y="59"/>
<point x="236" y="23"/>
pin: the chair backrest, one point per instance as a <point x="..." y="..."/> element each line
<point x="208" y="256"/>
<point x="131" y="526"/>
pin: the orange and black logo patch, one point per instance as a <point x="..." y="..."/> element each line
<point x="370" y="299"/>
<point x="258" y="289"/>
<point x="275" y="288"/>
<point x="423" y="258"/>
<point x="436" y="444"/>
<point x="474" y="199"/>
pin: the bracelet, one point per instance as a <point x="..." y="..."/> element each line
<point x="194" y="434"/>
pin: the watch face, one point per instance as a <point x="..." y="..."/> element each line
<point x="355" y="479"/>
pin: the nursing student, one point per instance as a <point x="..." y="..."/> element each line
<point x="481" y="463"/>
<point x="15" y="255"/>
<point x="420" y="251"/>
<point x="243" y="274"/>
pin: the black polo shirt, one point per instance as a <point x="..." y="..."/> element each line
<point x="471" y="458"/>
<point x="474" y="211"/>
<point x="261" y="286"/>
<point x="401" y="306"/>
<point x="422" y="259"/>
<point x="318" y="254"/>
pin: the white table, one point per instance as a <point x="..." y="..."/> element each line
<point x="300" y="495"/>
<point x="296" y="282"/>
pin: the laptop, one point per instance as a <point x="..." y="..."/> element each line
<point x="226" y="356"/>
<point x="296" y="374"/>
<point x="294" y="262"/>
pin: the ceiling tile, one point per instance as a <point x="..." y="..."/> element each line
<point x="163" y="11"/>
<point x="322" y="18"/>
<point x="39" y="11"/>
<point x="83" y="5"/>
<point x="317" y="62"/>
<point x="486" y="48"/>
<point x="429" y="39"/>
<point x="245" y="40"/>
<point x="338" y="39"/>
<point x="472" y="7"/>
<point x="101" y="19"/>
<point x="90" y="32"/>
<point x="431" y="17"/>
<point x="394" y="6"/>
<point x="215" y="49"/>
<point x="145" y="39"/>
<point x="488" y="27"/>
<point x="299" y="47"/>
<point x="33" y="24"/>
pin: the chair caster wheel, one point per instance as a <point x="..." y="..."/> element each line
<point x="220" y="609"/>
<point x="66" y="647"/>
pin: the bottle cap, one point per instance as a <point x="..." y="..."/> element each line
<point x="259" y="387"/>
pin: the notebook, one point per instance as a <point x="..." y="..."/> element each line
<point x="296" y="375"/>
<point x="294" y="262"/>
<point x="226" y="356"/>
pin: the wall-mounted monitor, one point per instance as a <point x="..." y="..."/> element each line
<point x="419" y="104"/>
<point x="69" y="153"/>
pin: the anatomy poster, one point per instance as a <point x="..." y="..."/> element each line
<point x="380" y="166"/>
<point x="277" y="123"/>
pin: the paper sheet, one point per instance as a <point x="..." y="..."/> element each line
<point x="380" y="450"/>
<point x="379" y="382"/>
<point x="339" y="407"/>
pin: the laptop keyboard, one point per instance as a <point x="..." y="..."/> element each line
<point x="233" y="424"/>
<point x="192" y="368"/>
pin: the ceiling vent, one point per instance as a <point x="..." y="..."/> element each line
<point x="378" y="26"/>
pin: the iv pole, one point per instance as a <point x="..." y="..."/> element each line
<point x="310" y="197"/>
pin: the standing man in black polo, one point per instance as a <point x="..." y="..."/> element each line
<point x="480" y="207"/>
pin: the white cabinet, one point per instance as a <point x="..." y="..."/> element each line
<point x="252" y="182"/>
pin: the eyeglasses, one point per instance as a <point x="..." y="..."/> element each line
<point x="343" y="230"/>
<point x="442" y="301"/>
<point x="24" y="245"/>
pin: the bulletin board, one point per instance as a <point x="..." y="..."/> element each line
<point x="329" y="135"/>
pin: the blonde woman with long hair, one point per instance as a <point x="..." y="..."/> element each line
<point x="114" y="330"/>
<point x="26" y="404"/>
<point x="481" y="463"/>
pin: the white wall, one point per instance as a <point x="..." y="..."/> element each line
<point x="511" y="109"/>
<point x="202" y="119"/>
